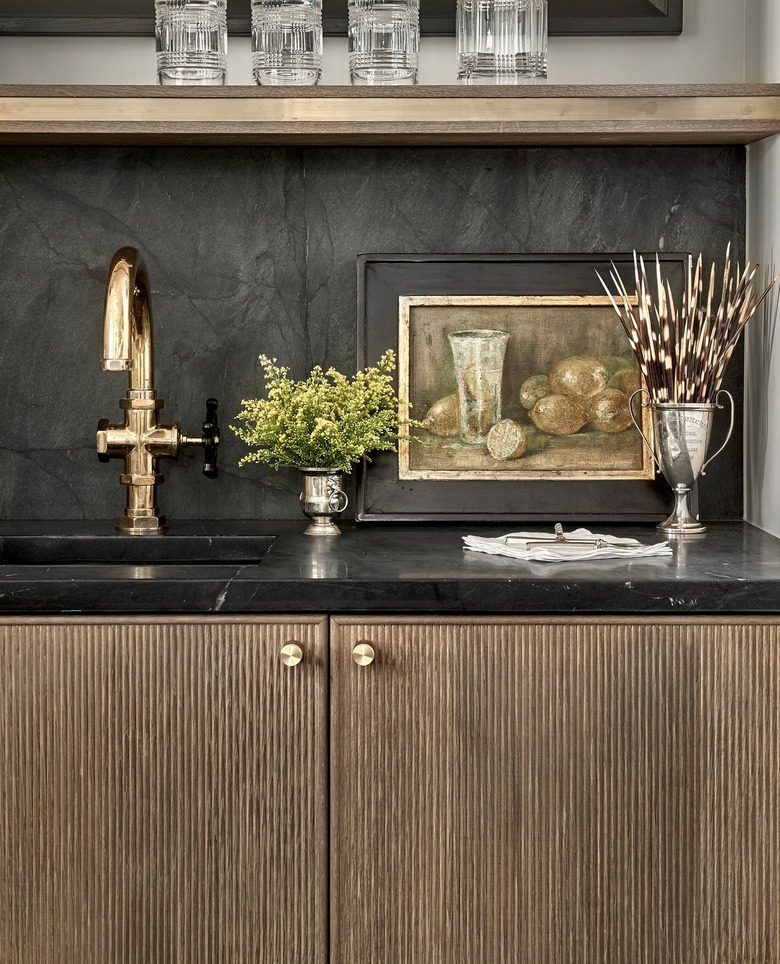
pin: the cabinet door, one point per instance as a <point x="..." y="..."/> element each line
<point x="550" y="792"/>
<point x="162" y="792"/>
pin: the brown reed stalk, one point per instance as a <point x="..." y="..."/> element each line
<point x="683" y="351"/>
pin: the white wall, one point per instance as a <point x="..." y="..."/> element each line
<point x="710" y="50"/>
<point x="762" y="363"/>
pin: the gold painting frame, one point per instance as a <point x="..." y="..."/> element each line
<point x="595" y="450"/>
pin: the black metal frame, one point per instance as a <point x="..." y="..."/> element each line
<point x="383" y="497"/>
<point x="135" y="17"/>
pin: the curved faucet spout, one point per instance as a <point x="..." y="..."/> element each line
<point x="140" y="440"/>
<point x="127" y="325"/>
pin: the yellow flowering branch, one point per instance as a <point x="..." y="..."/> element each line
<point x="325" y="421"/>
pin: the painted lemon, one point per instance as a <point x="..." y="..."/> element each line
<point x="609" y="411"/>
<point x="559" y="415"/>
<point x="507" y="440"/>
<point x="477" y="384"/>
<point x="443" y="417"/>
<point x="532" y="389"/>
<point x="616" y="363"/>
<point x="626" y="381"/>
<point x="579" y="377"/>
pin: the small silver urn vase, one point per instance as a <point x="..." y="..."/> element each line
<point x="681" y="437"/>
<point x="322" y="500"/>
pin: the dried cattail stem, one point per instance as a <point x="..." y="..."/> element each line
<point x="683" y="352"/>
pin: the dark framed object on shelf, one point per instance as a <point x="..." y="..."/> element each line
<point x="437" y="17"/>
<point x="553" y="308"/>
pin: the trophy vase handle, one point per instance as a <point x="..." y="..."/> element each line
<point x="638" y="425"/>
<point x="731" y="426"/>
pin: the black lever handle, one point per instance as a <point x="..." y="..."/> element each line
<point x="211" y="439"/>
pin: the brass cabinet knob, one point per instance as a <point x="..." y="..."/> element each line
<point x="363" y="654"/>
<point x="291" y="654"/>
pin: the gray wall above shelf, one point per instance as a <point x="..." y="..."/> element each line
<point x="135" y="17"/>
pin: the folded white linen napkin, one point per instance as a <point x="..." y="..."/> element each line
<point x="580" y="544"/>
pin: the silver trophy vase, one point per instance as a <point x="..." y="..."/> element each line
<point x="322" y="500"/>
<point x="681" y="438"/>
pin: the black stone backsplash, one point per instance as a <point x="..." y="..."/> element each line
<point x="253" y="250"/>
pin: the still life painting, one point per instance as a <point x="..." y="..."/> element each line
<point x="521" y="387"/>
<point x="516" y="373"/>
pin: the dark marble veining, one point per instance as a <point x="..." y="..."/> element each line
<point x="66" y="543"/>
<point x="254" y="250"/>
<point x="733" y="569"/>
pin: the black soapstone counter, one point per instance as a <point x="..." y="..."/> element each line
<point x="733" y="569"/>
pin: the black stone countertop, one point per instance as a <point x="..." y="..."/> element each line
<point x="733" y="569"/>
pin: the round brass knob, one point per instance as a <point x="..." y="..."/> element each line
<point x="291" y="654"/>
<point x="363" y="654"/>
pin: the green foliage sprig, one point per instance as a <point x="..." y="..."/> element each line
<point x="326" y="421"/>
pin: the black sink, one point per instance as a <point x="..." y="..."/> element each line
<point x="183" y="543"/>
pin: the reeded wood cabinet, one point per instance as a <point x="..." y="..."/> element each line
<point x="556" y="792"/>
<point x="525" y="791"/>
<point x="162" y="792"/>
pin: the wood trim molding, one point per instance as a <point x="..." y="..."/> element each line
<point x="572" y="620"/>
<point x="420" y="91"/>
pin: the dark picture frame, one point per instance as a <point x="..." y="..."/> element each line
<point x="437" y="17"/>
<point x="383" y="495"/>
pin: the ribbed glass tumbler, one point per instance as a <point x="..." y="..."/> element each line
<point x="191" y="41"/>
<point x="286" y="41"/>
<point x="384" y="41"/>
<point x="502" y="41"/>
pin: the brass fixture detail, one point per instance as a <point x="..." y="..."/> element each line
<point x="291" y="654"/>
<point x="141" y="441"/>
<point x="363" y="654"/>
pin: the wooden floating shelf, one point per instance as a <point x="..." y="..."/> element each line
<point x="442" y="115"/>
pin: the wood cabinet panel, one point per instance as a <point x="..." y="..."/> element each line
<point x="162" y="792"/>
<point x="556" y="791"/>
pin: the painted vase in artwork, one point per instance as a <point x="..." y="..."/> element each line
<point x="478" y="356"/>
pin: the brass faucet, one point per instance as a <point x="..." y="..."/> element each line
<point x="141" y="441"/>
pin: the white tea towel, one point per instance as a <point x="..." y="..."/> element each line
<point x="581" y="544"/>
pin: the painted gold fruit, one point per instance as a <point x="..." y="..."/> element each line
<point x="507" y="440"/>
<point x="478" y="421"/>
<point x="532" y="389"/>
<point x="616" y="363"/>
<point x="559" y="415"/>
<point x="477" y="384"/>
<point x="626" y="381"/>
<point x="609" y="411"/>
<point x="579" y="377"/>
<point x="443" y="416"/>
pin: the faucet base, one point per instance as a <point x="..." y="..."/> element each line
<point x="145" y="525"/>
